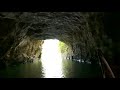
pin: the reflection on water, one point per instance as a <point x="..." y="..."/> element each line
<point x="74" y="69"/>
<point x="70" y="69"/>
<point x="29" y="70"/>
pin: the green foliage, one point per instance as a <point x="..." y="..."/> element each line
<point x="63" y="47"/>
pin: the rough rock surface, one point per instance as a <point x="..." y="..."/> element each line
<point x="21" y="33"/>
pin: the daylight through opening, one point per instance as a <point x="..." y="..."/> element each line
<point x="51" y="59"/>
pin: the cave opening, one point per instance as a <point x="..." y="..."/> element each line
<point x="51" y="58"/>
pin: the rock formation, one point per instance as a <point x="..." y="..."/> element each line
<point x="22" y="34"/>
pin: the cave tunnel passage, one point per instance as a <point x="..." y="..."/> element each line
<point x="22" y="41"/>
<point x="52" y="64"/>
<point x="51" y="58"/>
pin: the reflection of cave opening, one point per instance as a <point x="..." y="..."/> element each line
<point x="51" y="58"/>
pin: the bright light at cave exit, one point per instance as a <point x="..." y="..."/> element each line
<point x="51" y="59"/>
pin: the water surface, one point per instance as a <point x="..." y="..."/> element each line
<point x="67" y="69"/>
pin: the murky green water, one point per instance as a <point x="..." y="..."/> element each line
<point x="69" y="69"/>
